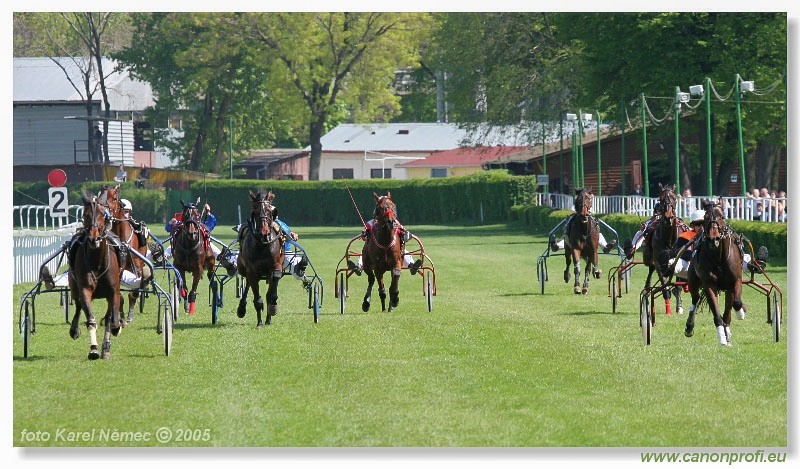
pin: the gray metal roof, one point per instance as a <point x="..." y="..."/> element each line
<point x="41" y="80"/>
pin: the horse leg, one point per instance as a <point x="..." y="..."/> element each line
<point x="576" y="271"/>
<point x="191" y="298"/>
<point x="694" y="292"/>
<point x="382" y="291"/>
<point x="667" y="295"/>
<point x="368" y="295"/>
<point x="394" y="290"/>
<point x="272" y="295"/>
<point x="713" y="305"/>
<point x="726" y="316"/>
<point x="80" y="306"/>
<point x="258" y="302"/>
<point x="568" y="256"/>
<point x="596" y="266"/>
<point x="678" y="300"/>
<point x="242" y="309"/>
<point x="107" y="331"/>
<point x="737" y="300"/>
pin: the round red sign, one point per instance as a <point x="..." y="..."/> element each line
<point x="57" y="177"/>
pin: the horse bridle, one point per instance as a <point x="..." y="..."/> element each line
<point x="386" y="213"/>
<point x="92" y="217"/>
<point x="583" y="205"/>
<point x="263" y="219"/>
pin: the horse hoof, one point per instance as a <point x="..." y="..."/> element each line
<point x="74" y="332"/>
<point x="680" y="309"/>
<point x="585" y="291"/>
<point x="93" y="353"/>
<point x="260" y="325"/>
<point x="115" y="331"/>
<point x="241" y="310"/>
<point x="577" y="291"/>
<point x="688" y="333"/>
<point x="365" y="306"/>
<point x="566" y="277"/>
<point x="598" y="274"/>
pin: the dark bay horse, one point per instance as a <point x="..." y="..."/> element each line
<point x="261" y="256"/>
<point x="125" y="231"/>
<point x="656" y="248"/>
<point x="94" y="273"/>
<point x="581" y="241"/>
<point x="191" y="251"/>
<point x="383" y="252"/>
<point x="715" y="267"/>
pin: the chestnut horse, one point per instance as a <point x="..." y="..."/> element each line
<point x="581" y="241"/>
<point x="94" y="273"/>
<point x="191" y="251"/>
<point x="383" y="252"/>
<point x="717" y="266"/>
<point x="261" y="256"/>
<point x="124" y="229"/>
<point x="656" y="248"/>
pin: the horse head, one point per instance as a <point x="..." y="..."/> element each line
<point x="263" y="214"/>
<point x="667" y="201"/>
<point x="385" y="210"/>
<point x="96" y="217"/>
<point x="583" y="202"/>
<point x="189" y="224"/>
<point x="714" y="224"/>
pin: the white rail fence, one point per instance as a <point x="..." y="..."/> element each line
<point x="739" y="208"/>
<point x="38" y="235"/>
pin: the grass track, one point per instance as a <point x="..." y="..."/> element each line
<point x="496" y="364"/>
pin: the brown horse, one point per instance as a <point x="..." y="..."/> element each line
<point x="128" y="234"/>
<point x="657" y="246"/>
<point x="717" y="266"/>
<point x="383" y="252"/>
<point x="94" y="273"/>
<point x="191" y="251"/>
<point x="261" y="256"/>
<point x="581" y="241"/>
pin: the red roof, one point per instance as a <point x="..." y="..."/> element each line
<point x="468" y="156"/>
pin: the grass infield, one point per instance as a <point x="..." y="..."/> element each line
<point x="495" y="364"/>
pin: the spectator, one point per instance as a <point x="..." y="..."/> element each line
<point x="122" y="175"/>
<point x="687" y="202"/>
<point x="781" y="206"/>
<point x="766" y="205"/>
<point x="755" y="198"/>
<point x="97" y="144"/>
<point x="637" y="190"/>
<point x="144" y="175"/>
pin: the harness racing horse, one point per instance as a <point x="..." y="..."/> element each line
<point x="716" y="266"/>
<point x="191" y="251"/>
<point x="94" y="273"/>
<point x="383" y="252"/>
<point x="581" y="241"/>
<point x="658" y="245"/>
<point x="261" y="256"/>
<point x="123" y="227"/>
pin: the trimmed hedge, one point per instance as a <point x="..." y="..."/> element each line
<point x="540" y="219"/>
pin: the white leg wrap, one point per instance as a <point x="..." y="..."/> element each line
<point x="92" y="334"/>
<point x="723" y="339"/>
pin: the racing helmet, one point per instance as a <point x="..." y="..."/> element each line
<point x="698" y="215"/>
<point x="126" y="204"/>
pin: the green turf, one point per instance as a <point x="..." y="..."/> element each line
<point x="495" y="364"/>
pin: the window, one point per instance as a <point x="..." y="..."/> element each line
<point x="342" y="173"/>
<point x="378" y="173"/>
<point x="438" y="172"/>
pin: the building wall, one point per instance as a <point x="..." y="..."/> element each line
<point x="361" y="167"/>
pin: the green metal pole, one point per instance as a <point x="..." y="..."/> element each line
<point x="644" y="151"/>
<point x="561" y="151"/>
<point x="708" y="136"/>
<point x="574" y="160"/>
<point x="230" y="153"/>
<point x="580" y="146"/>
<point x="599" y="166"/>
<point x="544" y="158"/>
<point x="622" y="146"/>
<point x="737" y="91"/>
<point x="677" y="141"/>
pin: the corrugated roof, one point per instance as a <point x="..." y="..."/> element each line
<point x="414" y="137"/>
<point x="472" y="156"/>
<point x="273" y="155"/>
<point x="40" y="79"/>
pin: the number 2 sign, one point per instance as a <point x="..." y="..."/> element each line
<point x="58" y="201"/>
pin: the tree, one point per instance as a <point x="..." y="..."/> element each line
<point x="627" y="54"/>
<point x="201" y="68"/>
<point x="74" y="40"/>
<point x="340" y="65"/>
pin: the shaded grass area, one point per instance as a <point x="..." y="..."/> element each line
<point x="495" y="364"/>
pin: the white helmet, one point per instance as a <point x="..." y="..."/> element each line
<point x="126" y="204"/>
<point x="698" y="215"/>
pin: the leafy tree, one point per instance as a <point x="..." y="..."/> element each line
<point x="328" y="67"/>
<point x="201" y="69"/>
<point x="627" y="54"/>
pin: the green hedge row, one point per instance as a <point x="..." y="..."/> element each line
<point x="541" y="220"/>
<point x="485" y="197"/>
